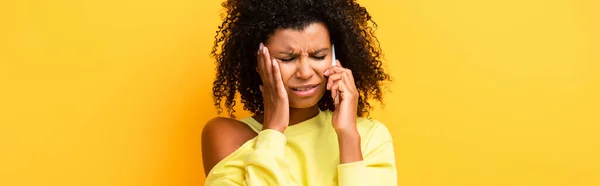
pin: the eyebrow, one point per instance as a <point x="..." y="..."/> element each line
<point x="290" y="52"/>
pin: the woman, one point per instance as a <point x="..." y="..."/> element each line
<point x="307" y="127"/>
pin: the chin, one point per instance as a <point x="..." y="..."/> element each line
<point x="301" y="103"/>
<point x="305" y="99"/>
<point x="301" y="106"/>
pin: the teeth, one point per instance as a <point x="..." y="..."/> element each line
<point x="303" y="89"/>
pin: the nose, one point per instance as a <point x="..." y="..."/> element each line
<point x="304" y="70"/>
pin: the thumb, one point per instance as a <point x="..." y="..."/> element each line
<point x="336" y="100"/>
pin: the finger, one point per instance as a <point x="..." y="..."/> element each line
<point x="338" y="71"/>
<point x="336" y="100"/>
<point x="348" y="79"/>
<point x="335" y="70"/>
<point x="277" y="73"/>
<point x="268" y="65"/>
<point x="333" y="78"/>
<point x="266" y="68"/>
<point x="338" y="86"/>
<point x="260" y="87"/>
<point x="334" y="91"/>
<point x="338" y="89"/>
<point x="260" y="63"/>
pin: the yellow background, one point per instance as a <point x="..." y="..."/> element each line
<point x="116" y="92"/>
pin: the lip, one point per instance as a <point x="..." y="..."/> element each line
<point x="305" y="93"/>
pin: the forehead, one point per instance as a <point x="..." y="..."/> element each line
<point x="313" y="36"/>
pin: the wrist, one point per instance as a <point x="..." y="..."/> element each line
<point x="349" y="146"/>
<point x="351" y="132"/>
<point x="351" y="136"/>
<point x="277" y="128"/>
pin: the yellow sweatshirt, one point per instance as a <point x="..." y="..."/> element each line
<point x="307" y="154"/>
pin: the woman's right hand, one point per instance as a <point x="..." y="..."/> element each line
<point x="275" y="100"/>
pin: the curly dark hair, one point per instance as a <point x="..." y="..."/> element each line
<point x="247" y="23"/>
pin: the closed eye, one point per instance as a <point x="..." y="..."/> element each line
<point x="319" y="57"/>
<point x="287" y="59"/>
<point x="294" y="58"/>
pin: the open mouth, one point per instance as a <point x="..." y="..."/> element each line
<point x="305" y="91"/>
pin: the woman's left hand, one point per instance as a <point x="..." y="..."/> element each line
<point x="341" y="83"/>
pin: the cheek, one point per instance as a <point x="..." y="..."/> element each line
<point x="287" y="72"/>
<point x="321" y="66"/>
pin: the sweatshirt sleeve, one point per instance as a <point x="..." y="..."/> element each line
<point x="259" y="162"/>
<point x="378" y="167"/>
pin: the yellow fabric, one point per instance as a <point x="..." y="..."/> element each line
<point x="307" y="154"/>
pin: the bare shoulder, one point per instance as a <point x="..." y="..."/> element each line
<point x="221" y="137"/>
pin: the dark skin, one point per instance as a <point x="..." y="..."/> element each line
<point x="222" y="136"/>
<point x="299" y="58"/>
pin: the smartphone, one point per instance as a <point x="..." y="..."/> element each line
<point x="336" y="100"/>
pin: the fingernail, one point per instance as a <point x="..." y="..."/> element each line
<point x="325" y="73"/>
<point x="261" y="45"/>
<point x="259" y="49"/>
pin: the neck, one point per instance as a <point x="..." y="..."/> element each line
<point x="297" y="115"/>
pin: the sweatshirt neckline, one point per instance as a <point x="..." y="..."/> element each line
<point x="316" y="122"/>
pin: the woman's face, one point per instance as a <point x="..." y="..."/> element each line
<point x="303" y="56"/>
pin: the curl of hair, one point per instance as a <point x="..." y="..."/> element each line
<point x="247" y="23"/>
